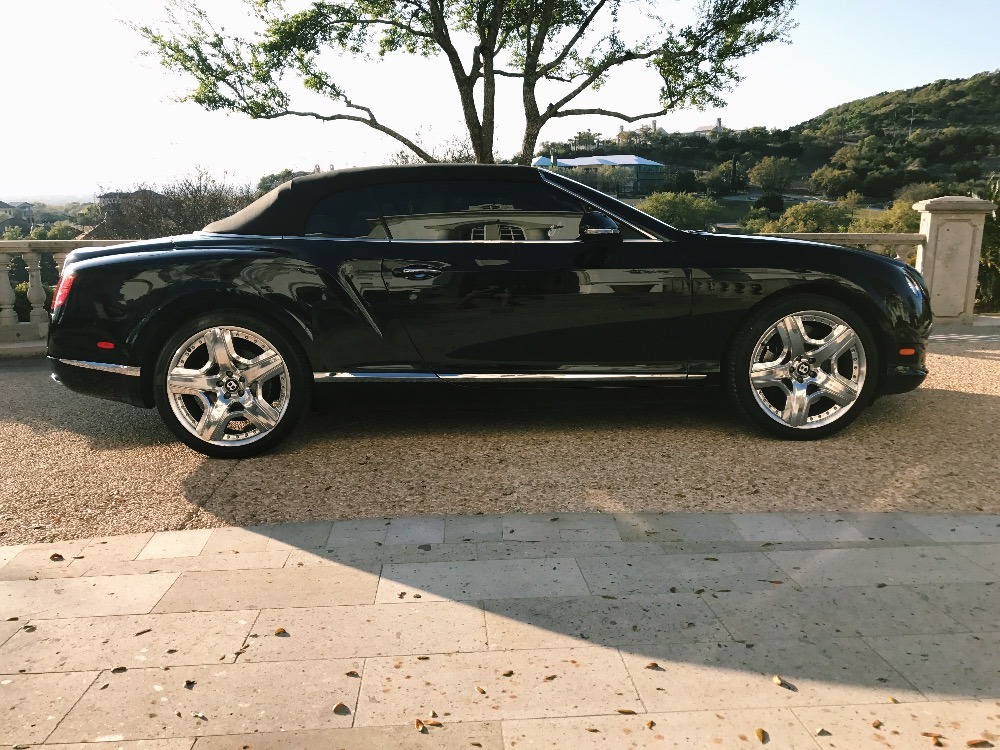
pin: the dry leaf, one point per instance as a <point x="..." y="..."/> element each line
<point x="978" y="743"/>
<point x="777" y="680"/>
<point x="713" y="559"/>
<point x="652" y="665"/>
<point x="177" y="713"/>
<point x="56" y="557"/>
<point x="143" y="632"/>
<point x="352" y="673"/>
<point x="509" y="673"/>
<point x="650" y="724"/>
<point x="892" y="700"/>
<point x="340" y="708"/>
<point x="932" y="735"/>
<point x="401" y="594"/>
<point x="936" y="742"/>
<point x="419" y="726"/>
<point x="434" y="714"/>
<point x="189" y="684"/>
<point x="199" y="715"/>
<point x="105" y="685"/>
<point x="29" y="628"/>
<point x="626" y="711"/>
<point x="481" y="691"/>
<point x="822" y="732"/>
<point x="119" y="670"/>
<point x="281" y="631"/>
<point x="551" y="677"/>
<point x="591" y="729"/>
<point x="433" y="723"/>
<point x="761" y="735"/>
<point x="876" y="724"/>
<point x="423" y="658"/>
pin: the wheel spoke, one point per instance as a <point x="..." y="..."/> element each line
<point x="840" y="339"/>
<point x="262" y="414"/>
<point x="793" y="335"/>
<point x="220" y="348"/>
<point x="213" y="423"/>
<point x="195" y="382"/>
<point x="768" y="374"/>
<point x="796" y="410"/>
<point x="836" y="387"/>
<point x="263" y="368"/>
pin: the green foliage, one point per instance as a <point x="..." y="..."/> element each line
<point x="269" y="182"/>
<point x="12" y="233"/>
<point x="565" y="47"/>
<point x="773" y="174"/>
<point x="773" y="203"/>
<point x="803" y="217"/>
<point x="682" y="210"/>
<point x="900" y="216"/>
<point x="22" y="308"/>
<point x="988" y="290"/>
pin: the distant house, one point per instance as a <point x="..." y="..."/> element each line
<point x="645" y="172"/>
<point x="711" y="131"/>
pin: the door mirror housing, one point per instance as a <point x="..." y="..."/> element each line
<point x="599" y="228"/>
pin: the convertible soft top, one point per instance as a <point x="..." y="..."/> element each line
<point x="284" y="210"/>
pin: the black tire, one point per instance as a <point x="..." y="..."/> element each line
<point x="238" y="386"/>
<point x="779" y="374"/>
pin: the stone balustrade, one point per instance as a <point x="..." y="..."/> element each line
<point x="948" y="249"/>
<point x="36" y="328"/>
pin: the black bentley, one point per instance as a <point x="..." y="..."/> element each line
<point x="468" y="273"/>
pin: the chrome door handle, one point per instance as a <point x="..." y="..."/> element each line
<point x="417" y="273"/>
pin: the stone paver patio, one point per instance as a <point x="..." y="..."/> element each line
<point x="569" y="630"/>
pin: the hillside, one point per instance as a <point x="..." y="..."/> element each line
<point x="963" y="102"/>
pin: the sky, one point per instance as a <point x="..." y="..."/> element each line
<point x="85" y="111"/>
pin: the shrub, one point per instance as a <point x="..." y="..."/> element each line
<point x="22" y="308"/>
<point x="682" y="210"/>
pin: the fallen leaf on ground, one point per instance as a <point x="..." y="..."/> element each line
<point x="433" y="723"/>
<point x="822" y="732"/>
<point x="56" y="557"/>
<point x="932" y="735"/>
<point x="281" y="631"/>
<point x="551" y="677"/>
<point x="434" y="714"/>
<point x="352" y="673"/>
<point x="341" y="709"/>
<point x="481" y="691"/>
<point x="978" y="743"/>
<point x="419" y="726"/>
<point x="591" y="729"/>
<point x="509" y="673"/>
<point x="189" y="684"/>
<point x="143" y="632"/>
<point x="876" y="724"/>
<point x="423" y="658"/>
<point x="652" y="665"/>
<point x="199" y="715"/>
<point x="778" y="681"/>
<point x="626" y="711"/>
<point x="119" y="670"/>
<point x="761" y="735"/>
<point x="30" y="628"/>
<point x="892" y="700"/>
<point x="650" y="724"/>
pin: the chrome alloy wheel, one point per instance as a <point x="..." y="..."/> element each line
<point x="228" y="386"/>
<point x="808" y="369"/>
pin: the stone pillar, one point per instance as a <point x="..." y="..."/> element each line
<point x="949" y="260"/>
<point x="8" y="318"/>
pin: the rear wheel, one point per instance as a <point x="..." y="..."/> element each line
<point x="230" y="385"/>
<point x="804" y="367"/>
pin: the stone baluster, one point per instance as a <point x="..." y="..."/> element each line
<point x="36" y="292"/>
<point x="8" y="318"/>
<point x="59" y="258"/>
<point x="949" y="260"/>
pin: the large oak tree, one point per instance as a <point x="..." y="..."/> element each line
<point x="555" y="50"/>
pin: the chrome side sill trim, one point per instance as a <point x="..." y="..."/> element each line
<point x="372" y="377"/>
<point x="102" y="367"/>
<point x="402" y="377"/>
<point x="584" y="376"/>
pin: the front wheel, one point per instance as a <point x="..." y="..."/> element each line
<point x="803" y="368"/>
<point x="230" y="385"/>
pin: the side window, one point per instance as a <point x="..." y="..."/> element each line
<point x="480" y="210"/>
<point x="349" y="213"/>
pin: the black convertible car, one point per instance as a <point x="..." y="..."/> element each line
<point x="471" y="273"/>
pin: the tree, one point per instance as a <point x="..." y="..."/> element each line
<point x="616" y="180"/>
<point x="682" y="210"/>
<point x="807" y="217"/>
<point x="12" y="233"/>
<point x="556" y="49"/>
<point x="773" y="174"/>
<point x="269" y="182"/>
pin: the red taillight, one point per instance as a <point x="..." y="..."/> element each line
<point x="62" y="291"/>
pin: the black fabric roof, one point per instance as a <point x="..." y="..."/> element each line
<point x="284" y="210"/>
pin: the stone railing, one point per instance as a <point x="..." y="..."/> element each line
<point x="36" y="328"/>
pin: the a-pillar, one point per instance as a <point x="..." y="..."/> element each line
<point x="949" y="260"/>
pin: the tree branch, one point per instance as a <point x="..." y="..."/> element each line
<point x="558" y="60"/>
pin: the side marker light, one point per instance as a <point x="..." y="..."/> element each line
<point x="105" y="345"/>
<point x="907" y="351"/>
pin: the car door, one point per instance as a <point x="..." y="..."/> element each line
<point x="491" y="278"/>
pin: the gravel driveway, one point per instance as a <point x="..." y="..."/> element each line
<point x="77" y="467"/>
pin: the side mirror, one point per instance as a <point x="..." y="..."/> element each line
<point x="599" y="228"/>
